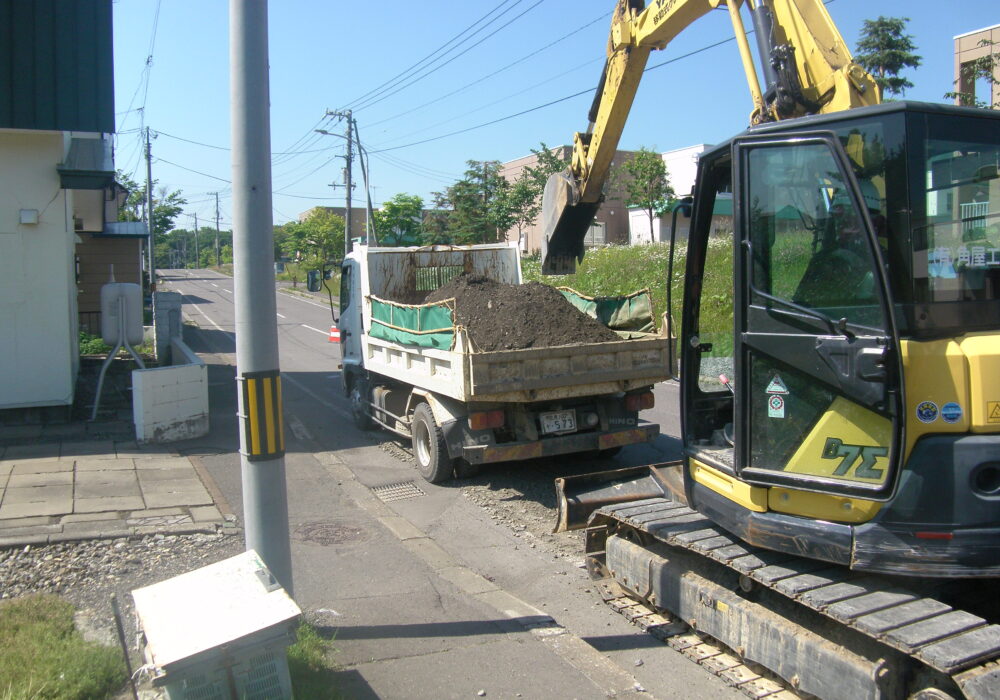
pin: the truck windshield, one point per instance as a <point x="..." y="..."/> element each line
<point x="931" y="181"/>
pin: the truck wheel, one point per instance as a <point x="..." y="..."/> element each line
<point x="429" y="448"/>
<point x="359" y="396"/>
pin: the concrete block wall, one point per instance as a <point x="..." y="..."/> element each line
<point x="171" y="403"/>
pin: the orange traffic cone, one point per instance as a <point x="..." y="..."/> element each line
<point x="334" y="334"/>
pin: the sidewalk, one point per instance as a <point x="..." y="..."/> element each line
<point x="71" y="490"/>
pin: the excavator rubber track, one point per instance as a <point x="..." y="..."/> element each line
<point x="863" y="636"/>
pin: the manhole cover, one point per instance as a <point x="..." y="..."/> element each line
<point x="398" y="492"/>
<point x="327" y="532"/>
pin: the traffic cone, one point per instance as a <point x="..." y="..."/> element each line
<point x="334" y="334"/>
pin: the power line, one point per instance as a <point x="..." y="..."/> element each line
<point x="547" y="104"/>
<point x="480" y="80"/>
<point x="426" y="58"/>
<point x="453" y="58"/>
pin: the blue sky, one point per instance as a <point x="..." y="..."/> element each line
<point x="331" y="55"/>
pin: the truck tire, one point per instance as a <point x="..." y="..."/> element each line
<point x="358" y="394"/>
<point x="429" y="447"/>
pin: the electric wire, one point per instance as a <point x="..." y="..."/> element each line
<point x="453" y="58"/>
<point x="426" y="58"/>
<point x="495" y="73"/>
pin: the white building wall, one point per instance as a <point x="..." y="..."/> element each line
<point x="39" y="354"/>
<point x="682" y="168"/>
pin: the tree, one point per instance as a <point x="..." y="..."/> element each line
<point x="167" y="206"/>
<point x="647" y="184"/>
<point x="985" y="69"/>
<point x="399" y="220"/>
<point x="316" y="243"/>
<point x="884" y="50"/>
<point x="469" y="200"/>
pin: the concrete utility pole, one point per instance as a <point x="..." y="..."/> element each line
<point x="149" y="215"/>
<point x="265" y="502"/>
<point x="197" y="252"/>
<point x="348" y="180"/>
<point x="218" y="256"/>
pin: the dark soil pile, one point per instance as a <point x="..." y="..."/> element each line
<point x="513" y="317"/>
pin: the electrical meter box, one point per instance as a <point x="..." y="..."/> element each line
<point x="220" y="632"/>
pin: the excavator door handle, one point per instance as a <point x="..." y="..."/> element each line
<point x="871" y="365"/>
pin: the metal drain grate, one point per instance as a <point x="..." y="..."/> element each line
<point x="398" y="492"/>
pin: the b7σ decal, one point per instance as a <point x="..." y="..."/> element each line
<point x="861" y="458"/>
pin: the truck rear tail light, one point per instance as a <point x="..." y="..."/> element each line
<point x="934" y="535"/>
<point x="639" y="402"/>
<point x="484" y="420"/>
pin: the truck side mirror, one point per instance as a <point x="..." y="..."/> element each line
<point x="313" y="280"/>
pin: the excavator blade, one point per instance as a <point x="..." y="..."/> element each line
<point x="577" y="497"/>
<point x="565" y="222"/>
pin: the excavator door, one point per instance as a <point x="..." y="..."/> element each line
<point x="817" y="372"/>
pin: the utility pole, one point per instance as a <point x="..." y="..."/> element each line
<point x="197" y="253"/>
<point x="348" y="180"/>
<point x="218" y="257"/>
<point x="149" y="215"/>
<point x="262" y="453"/>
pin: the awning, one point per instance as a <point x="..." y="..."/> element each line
<point x="89" y="165"/>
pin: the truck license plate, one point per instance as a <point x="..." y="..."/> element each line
<point x="558" y="422"/>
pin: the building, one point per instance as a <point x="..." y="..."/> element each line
<point x="610" y="223"/>
<point x="57" y="189"/>
<point x="968" y="48"/>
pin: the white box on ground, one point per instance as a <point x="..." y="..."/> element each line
<point x="220" y="631"/>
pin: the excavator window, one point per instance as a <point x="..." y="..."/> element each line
<point x="809" y="241"/>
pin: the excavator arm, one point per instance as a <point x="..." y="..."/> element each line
<point x="807" y="69"/>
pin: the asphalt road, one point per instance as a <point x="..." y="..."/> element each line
<point x="475" y="522"/>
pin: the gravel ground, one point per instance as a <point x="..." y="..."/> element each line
<point x="87" y="573"/>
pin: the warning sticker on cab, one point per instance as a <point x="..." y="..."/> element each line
<point x="993" y="411"/>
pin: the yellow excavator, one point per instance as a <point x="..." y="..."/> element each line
<point x="835" y="517"/>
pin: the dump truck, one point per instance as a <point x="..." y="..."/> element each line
<point x="413" y="369"/>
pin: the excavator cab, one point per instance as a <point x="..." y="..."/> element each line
<point x="851" y="301"/>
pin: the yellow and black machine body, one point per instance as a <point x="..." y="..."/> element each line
<point x="839" y="383"/>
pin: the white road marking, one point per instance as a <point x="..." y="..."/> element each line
<point x="280" y="315"/>
<point x="213" y="284"/>
<point x="326" y="333"/>
<point x="298" y="429"/>
<point x="228" y="290"/>
<point x="198" y="309"/>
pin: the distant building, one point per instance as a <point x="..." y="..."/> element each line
<point x="58" y="197"/>
<point x="610" y="223"/>
<point x="967" y="49"/>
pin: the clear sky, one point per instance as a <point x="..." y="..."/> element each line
<point x="426" y="77"/>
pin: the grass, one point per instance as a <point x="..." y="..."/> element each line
<point x="95" y="345"/>
<point x="43" y="657"/>
<point x="310" y="666"/>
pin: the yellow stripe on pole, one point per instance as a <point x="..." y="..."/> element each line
<point x="253" y="416"/>
<point x="269" y="414"/>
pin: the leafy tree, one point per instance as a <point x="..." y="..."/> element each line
<point x="469" y="200"/>
<point x="167" y="206"/>
<point x="316" y="243"/>
<point x="520" y="202"/>
<point x="884" y="50"/>
<point x="398" y="222"/>
<point x="985" y="69"/>
<point x="436" y="223"/>
<point x="646" y="184"/>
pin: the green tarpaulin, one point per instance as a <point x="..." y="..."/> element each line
<point x="630" y="316"/>
<point x="427" y="325"/>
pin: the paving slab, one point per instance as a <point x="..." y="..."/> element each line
<point x="183" y="498"/>
<point x="103" y="489"/>
<point x="39" y="466"/>
<point x="38" y="494"/>
<point x="16" y="481"/>
<point x="167" y="474"/>
<point x="149" y="462"/>
<point x="36" y="508"/>
<point x="107" y="504"/>
<point x="89" y="464"/>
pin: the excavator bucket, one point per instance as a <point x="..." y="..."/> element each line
<point x="565" y="222"/>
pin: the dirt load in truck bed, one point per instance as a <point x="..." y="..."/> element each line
<point x="518" y="316"/>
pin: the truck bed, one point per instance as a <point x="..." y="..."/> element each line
<point x="533" y="374"/>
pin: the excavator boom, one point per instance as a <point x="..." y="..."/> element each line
<point x="807" y="68"/>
